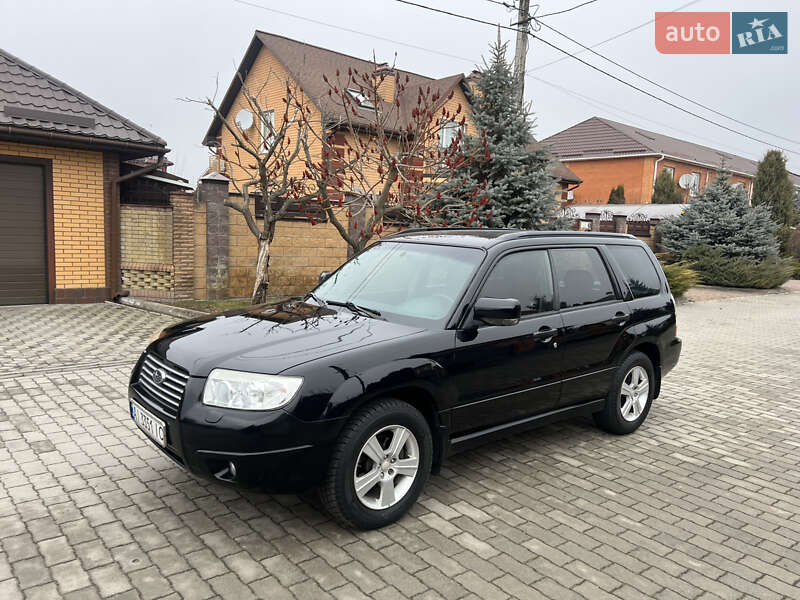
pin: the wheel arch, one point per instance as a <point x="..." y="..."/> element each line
<point x="418" y="382"/>
<point x="651" y="350"/>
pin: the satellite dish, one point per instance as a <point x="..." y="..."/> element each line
<point x="244" y="119"/>
<point x="686" y="181"/>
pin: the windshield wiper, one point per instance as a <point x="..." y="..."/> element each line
<point x="356" y="308"/>
<point x="321" y="301"/>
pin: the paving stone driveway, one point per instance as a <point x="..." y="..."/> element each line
<point x="702" y="502"/>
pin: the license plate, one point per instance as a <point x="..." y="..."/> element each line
<point x="154" y="427"/>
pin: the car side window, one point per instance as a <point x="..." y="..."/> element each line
<point x="525" y="276"/>
<point x="640" y="273"/>
<point x="582" y="277"/>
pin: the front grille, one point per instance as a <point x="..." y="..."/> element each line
<point x="167" y="394"/>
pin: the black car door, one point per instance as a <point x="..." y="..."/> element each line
<point x="507" y="373"/>
<point x="594" y="315"/>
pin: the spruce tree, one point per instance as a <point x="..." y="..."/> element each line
<point x="722" y="219"/>
<point x="510" y="184"/>
<point x="617" y="195"/>
<point x="773" y="188"/>
<point x="665" y="190"/>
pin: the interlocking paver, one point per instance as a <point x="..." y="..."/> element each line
<point x="701" y="502"/>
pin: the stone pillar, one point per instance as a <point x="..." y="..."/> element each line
<point x="213" y="191"/>
<point x="621" y="223"/>
<point x="183" y="244"/>
<point x="595" y="219"/>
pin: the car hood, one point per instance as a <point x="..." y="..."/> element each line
<point x="271" y="338"/>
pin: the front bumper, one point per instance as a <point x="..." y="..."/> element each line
<point x="270" y="450"/>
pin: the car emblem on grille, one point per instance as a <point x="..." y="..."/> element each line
<point x="158" y="376"/>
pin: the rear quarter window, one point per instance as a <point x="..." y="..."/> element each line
<point x="640" y="273"/>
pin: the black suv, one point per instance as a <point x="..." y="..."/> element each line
<point x="427" y="342"/>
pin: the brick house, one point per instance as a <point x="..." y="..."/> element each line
<point x="604" y="154"/>
<point x="60" y="172"/>
<point x="299" y="251"/>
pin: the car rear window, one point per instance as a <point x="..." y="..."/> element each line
<point x="582" y="277"/>
<point x="640" y="273"/>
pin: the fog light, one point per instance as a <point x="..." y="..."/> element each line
<point x="232" y="469"/>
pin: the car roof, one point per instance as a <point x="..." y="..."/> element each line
<point x="487" y="238"/>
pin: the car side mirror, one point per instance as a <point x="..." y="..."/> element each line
<point x="497" y="311"/>
<point x="323" y="276"/>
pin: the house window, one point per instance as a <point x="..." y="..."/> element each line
<point x="361" y="99"/>
<point x="448" y="132"/>
<point x="694" y="189"/>
<point x="268" y="128"/>
<point x="671" y="171"/>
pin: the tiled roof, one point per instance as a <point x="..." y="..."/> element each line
<point x="307" y="64"/>
<point x="561" y="172"/>
<point x="32" y="99"/>
<point x="602" y="137"/>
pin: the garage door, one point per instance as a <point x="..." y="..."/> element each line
<point x="23" y="237"/>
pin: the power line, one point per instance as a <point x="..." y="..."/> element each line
<point x="610" y="39"/>
<point x="603" y="106"/>
<point x="585" y="99"/>
<point x="506" y="4"/>
<point x="606" y="73"/>
<point x="566" y="10"/>
<point x="347" y="29"/>
<point x="665" y="88"/>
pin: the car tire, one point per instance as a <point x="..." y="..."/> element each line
<point x="631" y="396"/>
<point x="404" y="439"/>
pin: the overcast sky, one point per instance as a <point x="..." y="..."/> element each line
<point x="140" y="57"/>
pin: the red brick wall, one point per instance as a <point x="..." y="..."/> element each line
<point x="636" y="174"/>
<point x="600" y="176"/>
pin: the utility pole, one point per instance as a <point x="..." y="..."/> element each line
<point x="523" y="23"/>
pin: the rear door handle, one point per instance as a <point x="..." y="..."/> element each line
<point x="620" y="318"/>
<point x="545" y="334"/>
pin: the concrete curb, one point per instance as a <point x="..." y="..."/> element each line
<point x="164" y="309"/>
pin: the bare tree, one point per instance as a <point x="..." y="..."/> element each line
<point x="265" y="164"/>
<point x="365" y="168"/>
<point x="382" y="161"/>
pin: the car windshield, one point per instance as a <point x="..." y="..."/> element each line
<point x="407" y="281"/>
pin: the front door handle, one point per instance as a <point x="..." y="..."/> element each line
<point x="545" y="334"/>
<point x="620" y="318"/>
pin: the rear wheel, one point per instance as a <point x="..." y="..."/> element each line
<point x="379" y="466"/>
<point x="631" y="396"/>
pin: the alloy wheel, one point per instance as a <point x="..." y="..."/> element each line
<point x="386" y="467"/>
<point x="634" y="393"/>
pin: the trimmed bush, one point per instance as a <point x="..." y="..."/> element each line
<point x="793" y="250"/>
<point x="680" y="277"/>
<point x="617" y="195"/>
<point x="714" y="268"/>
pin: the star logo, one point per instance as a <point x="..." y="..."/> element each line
<point x="757" y="23"/>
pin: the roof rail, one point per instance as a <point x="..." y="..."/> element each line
<point x="426" y="229"/>
<point x="520" y="233"/>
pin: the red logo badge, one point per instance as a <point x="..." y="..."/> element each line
<point x="693" y="32"/>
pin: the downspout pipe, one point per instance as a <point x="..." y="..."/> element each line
<point x="655" y="172"/>
<point x="116" y="225"/>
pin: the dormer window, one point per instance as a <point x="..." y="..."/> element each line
<point x="361" y="99"/>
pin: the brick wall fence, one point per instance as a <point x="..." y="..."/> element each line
<point x="198" y="248"/>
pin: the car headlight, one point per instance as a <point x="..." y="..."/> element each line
<point x="249" y="391"/>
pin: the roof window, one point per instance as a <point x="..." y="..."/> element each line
<point x="361" y="99"/>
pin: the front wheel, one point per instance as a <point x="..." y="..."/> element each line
<point x="631" y="396"/>
<point x="379" y="466"/>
